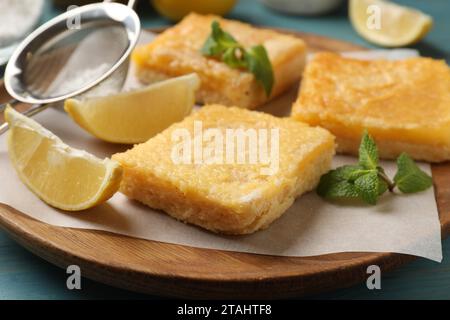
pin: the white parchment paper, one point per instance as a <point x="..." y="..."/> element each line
<point x="312" y="226"/>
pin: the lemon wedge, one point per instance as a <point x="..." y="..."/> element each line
<point x="388" y="24"/>
<point x="63" y="177"/>
<point x="136" y="116"/>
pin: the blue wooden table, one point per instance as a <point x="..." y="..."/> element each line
<point x="25" y="276"/>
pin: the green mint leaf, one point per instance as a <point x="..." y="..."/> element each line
<point x="221" y="36"/>
<point x="234" y="57"/>
<point x="347" y="172"/>
<point x="368" y="180"/>
<point x="222" y="45"/>
<point x="409" y="177"/>
<point x="211" y="48"/>
<point x="218" y="42"/>
<point x="340" y="190"/>
<point x="368" y="152"/>
<point x="382" y="186"/>
<point x="368" y="187"/>
<point x="259" y="64"/>
<point x="332" y="185"/>
<point x="356" y="172"/>
<point x="350" y="172"/>
<point x="341" y="183"/>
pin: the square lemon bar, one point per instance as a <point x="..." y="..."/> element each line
<point x="405" y="104"/>
<point x="227" y="169"/>
<point x="177" y="52"/>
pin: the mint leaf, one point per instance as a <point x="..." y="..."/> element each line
<point x="409" y="177"/>
<point x="356" y="172"/>
<point x="340" y="190"/>
<point x="382" y="186"/>
<point x="368" y="180"/>
<point x="347" y="172"/>
<point x="334" y="185"/>
<point x="211" y="47"/>
<point x="352" y="181"/>
<point x="218" y="41"/>
<point x="222" y="45"/>
<point x="368" y="152"/>
<point x="224" y="38"/>
<point x="344" y="172"/>
<point x="367" y="187"/>
<point x="234" y="57"/>
<point x="259" y="64"/>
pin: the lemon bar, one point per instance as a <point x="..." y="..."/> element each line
<point x="177" y="52"/>
<point x="220" y="191"/>
<point x="405" y="104"/>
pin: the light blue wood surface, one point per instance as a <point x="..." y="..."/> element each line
<point x="25" y="276"/>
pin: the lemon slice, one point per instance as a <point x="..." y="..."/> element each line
<point x="63" y="177"/>
<point x="136" y="116"/>
<point x="388" y="24"/>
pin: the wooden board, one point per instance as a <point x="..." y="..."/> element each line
<point x="180" y="271"/>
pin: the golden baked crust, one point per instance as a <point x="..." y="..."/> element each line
<point x="405" y="105"/>
<point x="177" y="51"/>
<point x="228" y="198"/>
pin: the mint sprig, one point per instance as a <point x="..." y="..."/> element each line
<point x="222" y="45"/>
<point x="368" y="181"/>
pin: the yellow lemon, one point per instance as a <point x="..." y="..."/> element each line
<point x="388" y="24"/>
<point x="136" y="116"/>
<point x="64" y="177"/>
